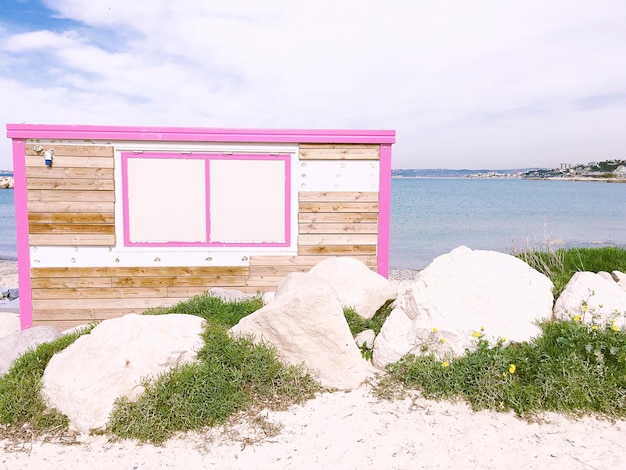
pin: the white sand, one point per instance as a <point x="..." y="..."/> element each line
<point x="353" y="430"/>
<point x="356" y="431"/>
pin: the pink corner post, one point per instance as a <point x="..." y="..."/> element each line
<point x="21" y="225"/>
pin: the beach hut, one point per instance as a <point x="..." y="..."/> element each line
<point x="115" y="220"/>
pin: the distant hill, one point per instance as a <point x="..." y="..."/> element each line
<point x="445" y="173"/>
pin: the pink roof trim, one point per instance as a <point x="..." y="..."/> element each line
<point x="197" y="134"/>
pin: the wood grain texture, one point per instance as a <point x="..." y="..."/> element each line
<point x="312" y="228"/>
<point x="338" y="217"/>
<point x="339" y="152"/>
<point x="69" y="196"/>
<point x="71" y="239"/>
<point x="72" y="184"/>
<point x="338" y="239"/>
<point x="338" y="196"/>
<point x="72" y="150"/>
<point x="65" y="218"/>
<point x="57" y="173"/>
<point x="338" y="207"/>
<point x="134" y="271"/>
<point x="74" y="206"/>
<point x="62" y="161"/>
<point x="296" y="261"/>
<point x="340" y="250"/>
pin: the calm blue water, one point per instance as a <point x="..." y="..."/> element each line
<point x="431" y="216"/>
<point x="7" y="225"/>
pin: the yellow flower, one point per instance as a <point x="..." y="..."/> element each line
<point x="584" y="308"/>
<point x="594" y="327"/>
<point x="615" y="328"/>
<point x="503" y="339"/>
<point x="501" y="404"/>
<point x="578" y="317"/>
<point x="434" y="330"/>
<point x="482" y="328"/>
<point x="512" y="369"/>
<point x="443" y="340"/>
<point x="445" y="364"/>
<point x="612" y="320"/>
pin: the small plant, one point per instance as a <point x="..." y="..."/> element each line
<point x="231" y="375"/>
<point x="573" y="368"/>
<point x="213" y="309"/>
<point x="21" y="403"/>
<point x="560" y="265"/>
<point x="358" y="324"/>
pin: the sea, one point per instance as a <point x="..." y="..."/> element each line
<point x="432" y="216"/>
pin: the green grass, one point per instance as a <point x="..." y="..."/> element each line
<point x="358" y="324"/>
<point x="560" y="265"/>
<point x="231" y="375"/>
<point x="20" y="399"/>
<point x="213" y="309"/>
<point x="570" y="368"/>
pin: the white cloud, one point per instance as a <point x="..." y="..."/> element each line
<point x="466" y="84"/>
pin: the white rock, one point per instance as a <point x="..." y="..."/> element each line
<point x="620" y="278"/>
<point x="356" y="285"/>
<point x="457" y="294"/>
<point x="9" y="323"/>
<point x="229" y="295"/>
<point x="606" y="276"/>
<point x="366" y="338"/>
<point x="85" y="379"/>
<point x="604" y="299"/>
<point x="267" y="297"/>
<point x="306" y="325"/>
<point x="14" y="345"/>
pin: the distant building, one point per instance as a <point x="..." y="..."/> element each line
<point x="620" y="171"/>
<point x="566" y="166"/>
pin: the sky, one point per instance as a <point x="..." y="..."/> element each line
<point x="465" y="84"/>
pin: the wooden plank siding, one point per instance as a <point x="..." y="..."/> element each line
<point x="337" y="223"/>
<point x="73" y="202"/>
<point x="74" y="296"/>
<point x="339" y="152"/>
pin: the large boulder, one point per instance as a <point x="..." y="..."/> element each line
<point x="620" y="278"/>
<point x="9" y="323"/>
<point x="596" y="298"/>
<point x="460" y="298"/>
<point x="356" y="285"/>
<point x="16" y="344"/>
<point x="84" y="380"/>
<point x="306" y="325"/>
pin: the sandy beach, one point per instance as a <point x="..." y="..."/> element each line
<point x="346" y="430"/>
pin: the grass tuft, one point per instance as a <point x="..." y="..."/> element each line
<point x="358" y="324"/>
<point x="213" y="309"/>
<point x="231" y="375"/>
<point x="20" y="399"/>
<point x="572" y="368"/>
<point x="560" y="265"/>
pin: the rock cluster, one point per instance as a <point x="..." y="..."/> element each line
<point x="6" y="182"/>
<point x="464" y="296"/>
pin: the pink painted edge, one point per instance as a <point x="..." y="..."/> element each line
<point x="207" y="156"/>
<point x="21" y="227"/>
<point x="196" y="134"/>
<point x="384" y="209"/>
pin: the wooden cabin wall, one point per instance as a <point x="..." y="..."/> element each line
<point x="72" y="204"/>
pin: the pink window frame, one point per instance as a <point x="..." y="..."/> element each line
<point x="207" y="157"/>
